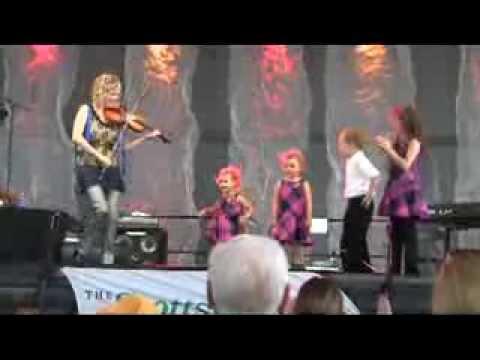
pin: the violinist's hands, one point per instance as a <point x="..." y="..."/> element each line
<point x="130" y="117"/>
<point x="153" y="134"/>
<point x="106" y="161"/>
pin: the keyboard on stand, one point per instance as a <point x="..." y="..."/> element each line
<point x="455" y="217"/>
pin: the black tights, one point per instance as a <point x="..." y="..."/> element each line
<point x="404" y="236"/>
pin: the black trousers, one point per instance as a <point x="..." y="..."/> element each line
<point x="354" y="248"/>
<point x="403" y="236"/>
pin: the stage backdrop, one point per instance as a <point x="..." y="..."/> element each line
<point x="241" y="104"/>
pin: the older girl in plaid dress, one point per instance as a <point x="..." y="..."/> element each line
<point x="229" y="216"/>
<point x="403" y="200"/>
<point x="292" y="207"/>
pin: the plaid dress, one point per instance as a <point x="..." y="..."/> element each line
<point x="403" y="195"/>
<point x="292" y="216"/>
<point x="224" y="223"/>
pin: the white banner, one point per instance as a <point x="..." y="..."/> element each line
<point x="176" y="292"/>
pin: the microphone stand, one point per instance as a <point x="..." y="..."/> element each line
<point x="11" y="106"/>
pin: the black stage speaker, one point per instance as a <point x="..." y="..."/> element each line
<point x="30" y="248"/>
<point x="31" y="236"/>
<point x="139" y="246"/>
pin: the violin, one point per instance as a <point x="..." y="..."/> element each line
<point x="117" y="115"/>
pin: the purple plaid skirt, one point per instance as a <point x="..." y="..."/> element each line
<point x="291" y="221"/>
<point x="225" y="222"/>
<point x="403" y="195"/>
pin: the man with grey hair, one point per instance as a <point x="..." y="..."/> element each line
<point x="248" y="275"/>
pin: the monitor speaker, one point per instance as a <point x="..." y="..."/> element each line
<point x="141" y="247"/>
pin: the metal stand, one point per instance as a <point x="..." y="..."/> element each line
<point x="11" y="105"/>
<point x="9" y="149"/>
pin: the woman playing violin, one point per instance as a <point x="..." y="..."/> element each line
<point x="97" y="134"/>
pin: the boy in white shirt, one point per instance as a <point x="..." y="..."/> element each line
<point x="361" y="179"/>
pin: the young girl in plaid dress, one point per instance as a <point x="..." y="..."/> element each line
<point x="229" y="216"/>
<point x="292" y="207"/>
<point x="403" y="200"/>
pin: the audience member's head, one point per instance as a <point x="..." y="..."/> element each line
<point x="319" y="296"/>
<point x="457" y="286"/>
<point x="131" y="305"/>
<point x="248" y="275"/>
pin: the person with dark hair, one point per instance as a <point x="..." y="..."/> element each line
<point x="319" y="296"/>
<point x="403" y="200"/>
<point x="361" y="179"/>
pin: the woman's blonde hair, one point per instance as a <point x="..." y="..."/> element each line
<point x="103" y="84"/>
<point x="457" y="285"/>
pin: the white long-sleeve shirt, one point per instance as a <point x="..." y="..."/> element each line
<point x="359" y="172"/>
